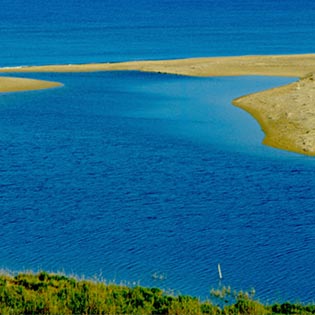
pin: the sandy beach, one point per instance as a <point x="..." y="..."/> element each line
<point x="286" y="114"/>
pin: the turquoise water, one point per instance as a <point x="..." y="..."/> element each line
<point x="126" y="174"/>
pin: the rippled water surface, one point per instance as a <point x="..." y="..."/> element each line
<point x="123" y="175"/>
<point x="81" y="31"/>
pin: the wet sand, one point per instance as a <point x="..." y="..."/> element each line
<point x="286" y="114"/>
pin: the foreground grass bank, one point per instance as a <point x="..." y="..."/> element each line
<point x="45" y="293"/>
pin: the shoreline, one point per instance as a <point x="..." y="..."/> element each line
<point x="285" y="113"/>
<point x="57" y="293"/>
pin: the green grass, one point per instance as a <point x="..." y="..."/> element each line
<point x="43" y="293"/>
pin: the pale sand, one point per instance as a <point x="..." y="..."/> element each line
<point x="286" y="114"/>
<point x="20" y="84"/>
<point x="282" y="65"/>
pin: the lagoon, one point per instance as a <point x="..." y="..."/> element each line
<point x="122" y="175"/>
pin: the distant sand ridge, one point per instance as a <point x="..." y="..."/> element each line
<point x="286" y="114"/>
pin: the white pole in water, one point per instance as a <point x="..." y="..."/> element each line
<point x="219" y="271"/>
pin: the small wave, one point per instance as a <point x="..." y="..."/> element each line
<point x="15" y="67"/>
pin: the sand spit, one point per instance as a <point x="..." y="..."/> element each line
<point x="286" y="114"/>
<point x="281" y="65"/>
<point x="20" y="84"/>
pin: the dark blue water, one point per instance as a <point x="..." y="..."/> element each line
<point x="123" y="175"/>
<point x="52" y="32"/>
<point x="151" y="173"/>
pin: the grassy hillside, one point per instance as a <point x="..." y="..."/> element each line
<point x="45" y="293"/>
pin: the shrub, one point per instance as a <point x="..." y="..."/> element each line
<point x="45" y="293"/>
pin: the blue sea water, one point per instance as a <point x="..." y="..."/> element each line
<point x="122" y="175"/>
<point x="49" y="32"/>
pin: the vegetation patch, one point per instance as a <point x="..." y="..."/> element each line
<point x="44" y="293"/>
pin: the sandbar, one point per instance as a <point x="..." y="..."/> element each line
<point x="279" y="65"/>
<point x="10" y="84"/>
<point x="286" y="114"/>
